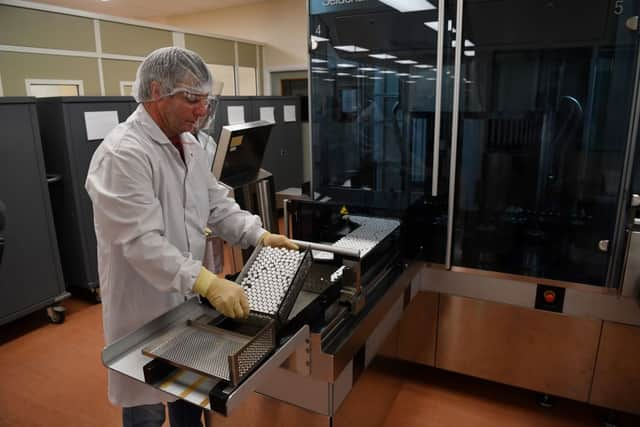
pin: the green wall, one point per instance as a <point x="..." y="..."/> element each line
<point x="16" y="67"/>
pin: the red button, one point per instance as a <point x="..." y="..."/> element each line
<point x="549" y="297"/>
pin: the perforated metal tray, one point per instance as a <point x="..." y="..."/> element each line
<point x="225" y="349"/>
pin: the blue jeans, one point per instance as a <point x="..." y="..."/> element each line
<point x="181" y="414"/>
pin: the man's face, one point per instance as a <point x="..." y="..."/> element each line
<point x="182" y="110"/>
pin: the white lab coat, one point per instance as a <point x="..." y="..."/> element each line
<point x="150" y="211"/>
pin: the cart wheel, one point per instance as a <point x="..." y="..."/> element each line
<point x="95" y="294"/>
<point x="56" y="313"/>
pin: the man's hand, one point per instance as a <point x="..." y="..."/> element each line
<point x="278" y="241"/>
<point x="227" y="297"/>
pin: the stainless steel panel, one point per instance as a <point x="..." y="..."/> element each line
<point x="543" y="351"/>
<point x="616" y="382"/>
<point x="631" y="274"/>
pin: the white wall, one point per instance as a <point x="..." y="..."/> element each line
<point x="280" y="24"/>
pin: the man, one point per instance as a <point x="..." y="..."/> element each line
<point x="153" y="196"/>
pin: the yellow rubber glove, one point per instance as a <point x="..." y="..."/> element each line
<point x="277" y="241"/>
<point x="227" y="297"/>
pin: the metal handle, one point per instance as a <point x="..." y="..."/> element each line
<point x="454" y="132"/>
<point x="603" y="245"/>
<point x="53" y="178"/>
<point x="327" y="248"/>
<point x="436" y="128"/>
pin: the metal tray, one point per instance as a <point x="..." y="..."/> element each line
<point x="225" y="349"/>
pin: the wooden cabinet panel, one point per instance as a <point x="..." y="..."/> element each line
<point x="538" y="350"/>
<point x="417" y="329"/>
<point x="616" y="382"/>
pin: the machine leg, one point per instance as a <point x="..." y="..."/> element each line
<point x="56" y="314"/>
<point x="95" y="295"/>
<point x="545" y="400"/>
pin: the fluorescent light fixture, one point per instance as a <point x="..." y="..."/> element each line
<point x="433" y="25"/>
<point x="320" y="71"/>
<point x="405" y="61"/>
<point x="402" y="74"/>
<point x="360" y="76"/>
<point x="411" y="82"/>
<point x="343" y="74"/>
<point x="387" y="72"/>
<point x="423" y="66"/>
<point x="409" y="5"/>
<point x="376" y="78"/>
<point x="318" y="60"/>
<point x="329" y="80"/>
<point x="431" y="78"/>
<point x="469" y="53"/>
<point x="319" y="39"/>
<point x="467" y="43"/>
<point x="345" y="65"/>
<point x="351" y="48"/>
<point x="368" y="69"/>
<point x="415" y="76"/>
<point x="382" y="56"/>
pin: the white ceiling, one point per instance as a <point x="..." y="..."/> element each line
<point x="145" y="9"/>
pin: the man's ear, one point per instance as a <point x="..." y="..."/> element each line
<point x="156" y="90"/>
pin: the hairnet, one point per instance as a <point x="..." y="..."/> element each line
<point x="172" y="67"/>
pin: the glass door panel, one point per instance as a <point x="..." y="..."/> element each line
<point x="546" y="93"/>
<point x="374" y="113"/>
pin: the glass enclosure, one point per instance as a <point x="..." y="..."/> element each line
<point x="544" y="113"/>
<point x="540" y="94"/>
<point x="373" y="91"/>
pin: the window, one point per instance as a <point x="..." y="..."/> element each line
<point x="43" y="87"/>
<point x="225" y="74"/>
<point x="126" y="88"/>
<point x="247" y="81"/>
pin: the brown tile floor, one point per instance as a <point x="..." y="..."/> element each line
<point x="51" y="375"/>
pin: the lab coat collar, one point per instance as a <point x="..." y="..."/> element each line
<point x="149" y="125"/>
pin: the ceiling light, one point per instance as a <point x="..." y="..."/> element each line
<point x="433" y="25"/>
<point x="415" y="76"/>
<point x="318" y="60"/>
<point x="382" y="56"/>
<point x="405" y="61"/>
<point x="343" y="74"/>
<point x="410" y="82"/>
<point x="351" y="48"/>
<point x="423" y="66"/>
<point x="376" y="78"/>
<point x="345" y="65"/>
<point x="319" y="39"/>
<point x="431" y="78"/>
<point x="467" y="43"/>
<point x="402" y="74"/>
<point x="387" y="72"/>
<point x="368" y="69"/>
<point x="320" y="71"/>
<point x="329" y="80"/>
<point x="409" y="5"/>
<point x="469" y="53"/>
<point x="360" y="76"/>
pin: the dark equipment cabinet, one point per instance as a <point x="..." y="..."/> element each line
<point x="30" y="273"/>
<point x="283" y="155"/>
<point x="67" y="153"/>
